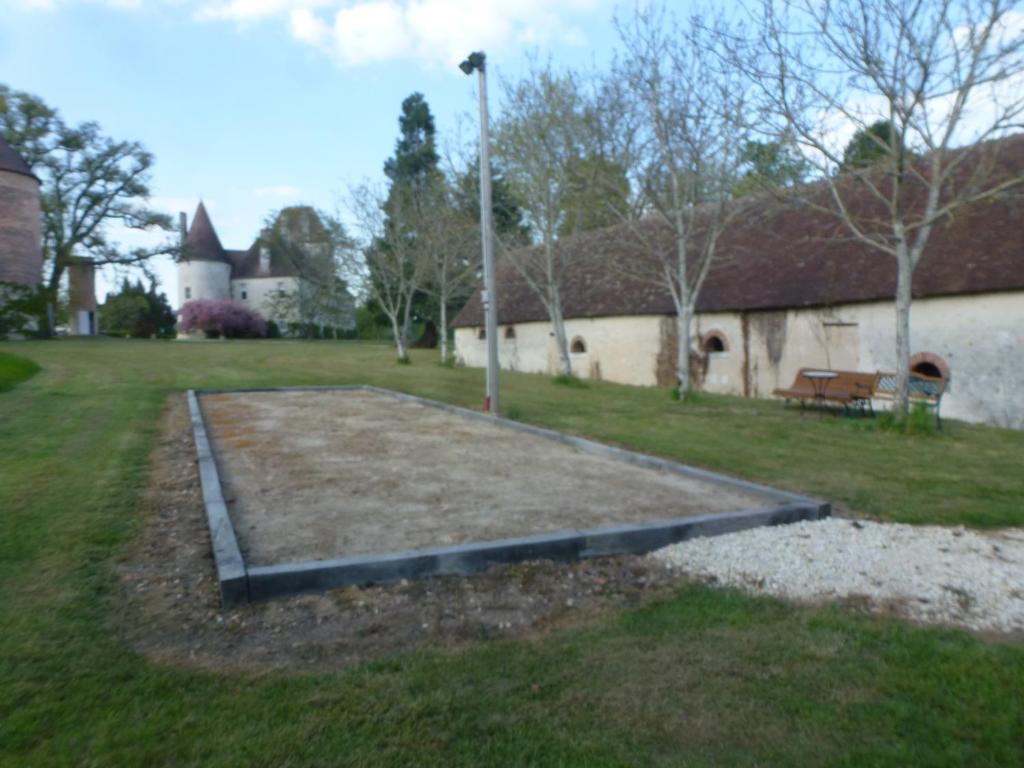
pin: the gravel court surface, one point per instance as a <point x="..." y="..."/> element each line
<point x="311" y="475"/>
<point x="930" y="574"/>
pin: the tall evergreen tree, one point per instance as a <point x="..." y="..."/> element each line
<point x="415" y="162"/>
<point x="395" y="255"/>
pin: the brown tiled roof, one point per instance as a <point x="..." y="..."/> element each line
<point x="301" y="222"/>
<point x="12" y="162"/>
<point x="202" y="243"/>
<point x="298" y="224"/>
<point x="785" y="256"/>
<point x="245" y="265"/>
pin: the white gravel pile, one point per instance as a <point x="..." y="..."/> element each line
<point x="927" y="573"/>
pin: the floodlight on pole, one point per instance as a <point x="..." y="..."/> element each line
<point x="477" y="61"/>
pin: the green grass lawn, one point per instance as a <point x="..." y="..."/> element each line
<point x="14" y="370"/>
<point x="704" y="677"/>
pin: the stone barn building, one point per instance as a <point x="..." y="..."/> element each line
<point x="272" y="276"/>
<point x="789" y="290"/>
<point x="21" y="255"/>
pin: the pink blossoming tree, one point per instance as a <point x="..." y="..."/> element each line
<point x="217" y="318"/>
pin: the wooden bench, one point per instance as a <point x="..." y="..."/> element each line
<point x="923" y="389"/>
<point x="851" y="389"/>
<point x="855" y="389"/>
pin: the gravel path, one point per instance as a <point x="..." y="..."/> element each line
<point x="926" y="573"/>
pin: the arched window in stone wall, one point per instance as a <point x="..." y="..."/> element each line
<point x="578" y="346"/>
<point x="714" y="342"/>
<point x="930" y="364"/>
<point x="510" y="332"/>
<point x="481" y="334"/>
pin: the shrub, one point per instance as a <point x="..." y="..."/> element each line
<point x="568" y="380"/>
<point x="920" y="421"/>
<point x="349" y="334"/>
<point x="137" y="311"/>
<point x="273" y="330"/>
<point x="22" y="310"/>
<point x="692" y="396"/>
<point x="221" y="318"/>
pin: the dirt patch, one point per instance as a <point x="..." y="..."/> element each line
<point x="315" y="475"/>
<point x="169" y="607"/>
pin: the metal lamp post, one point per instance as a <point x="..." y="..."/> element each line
<point x="476" y="61"/>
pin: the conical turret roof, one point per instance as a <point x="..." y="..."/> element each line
<point x="202" y="243"/>
<point x="12" y="162"/>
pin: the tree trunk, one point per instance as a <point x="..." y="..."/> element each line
<point x="684" y="308"/>
<point x="904" y="278"/>
<point x="558" y="325"/>
<point x="684" y="319"/>
<point x="399" y="333"/>
<point x="403" y="347"/>
<point x="443" y="330"/>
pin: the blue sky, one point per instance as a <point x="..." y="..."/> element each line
<point x="256" y="104"/>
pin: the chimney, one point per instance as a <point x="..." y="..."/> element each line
<point x="264" y="260"/>
<point x="182" y="227"/>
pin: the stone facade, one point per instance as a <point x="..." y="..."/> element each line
<point x="203" y="280"/>
<point x="977" y="340"/>
<point x="263" y="294"/>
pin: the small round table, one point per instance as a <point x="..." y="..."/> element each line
<point x="819" y="382"/>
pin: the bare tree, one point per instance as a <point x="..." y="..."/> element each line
<point x="390" y="265"/>
<point x="539" y="141"/>
<point x="682" y="124"/>
<point x="450" y="243"/>
<point x="938" y="74"/>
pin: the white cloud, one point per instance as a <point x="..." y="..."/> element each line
<point x="442" y="32"/>
<point x="253" y="10"/>
<point x="371" y="31"/>
<point x="432" y="32"/>
<point x="363" y="32"/>
<point x="306" y="27"/>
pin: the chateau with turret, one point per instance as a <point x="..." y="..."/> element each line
<point x="286" y="275"/>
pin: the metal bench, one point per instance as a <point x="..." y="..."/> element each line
<point x="923" y="389"/>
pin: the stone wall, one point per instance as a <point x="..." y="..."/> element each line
<point x="622" y="349"/>
<point x="980" y="338"/>
<point x="21" y="257"/>
<point x="203" y="280"/>
<point x="261" y="294"/>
